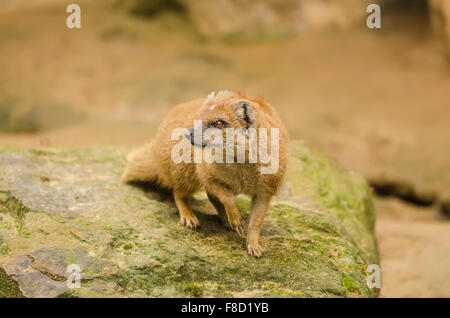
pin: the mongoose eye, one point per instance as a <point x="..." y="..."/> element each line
<point x="219" y="124"/>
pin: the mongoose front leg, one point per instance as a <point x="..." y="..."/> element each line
<point x="260" y="204"/>
<point x="228" y="199"/>
<point x="187" y="218"/>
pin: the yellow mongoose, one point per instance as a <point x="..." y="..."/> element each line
<point x="222" y="181"/>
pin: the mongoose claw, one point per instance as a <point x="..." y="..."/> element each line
<point x="255" y="251"/>
<point x="190" y="222"/>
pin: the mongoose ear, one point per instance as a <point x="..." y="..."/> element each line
<point x="243" y="109"/>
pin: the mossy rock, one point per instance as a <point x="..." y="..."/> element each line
<point x="68" y="206"/>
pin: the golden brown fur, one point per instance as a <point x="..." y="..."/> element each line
<point x="221" y="181"/>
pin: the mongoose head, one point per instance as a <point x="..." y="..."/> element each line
<point x="222" y="111"/>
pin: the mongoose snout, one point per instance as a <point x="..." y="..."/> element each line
<point x="189" y="135"/>
<point x="217" y="126"/>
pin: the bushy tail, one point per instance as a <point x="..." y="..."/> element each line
<point x="141" y="166"/>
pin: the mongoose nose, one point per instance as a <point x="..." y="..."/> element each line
<point x="190" y="135"/>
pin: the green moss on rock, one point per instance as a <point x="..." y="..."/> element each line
<point x="3" y="247"/>
<point x="8" y="286"/>
<point x="10" y="204"/>
<point x="318" y="240"/>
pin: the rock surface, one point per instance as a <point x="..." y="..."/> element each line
<point x="64" y="206"/>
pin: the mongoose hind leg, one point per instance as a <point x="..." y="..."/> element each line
<point x="187" y="217"/>
<point x="220" y="208"/>
<point x="260" y="204"/>
<point x="228" y="200"/>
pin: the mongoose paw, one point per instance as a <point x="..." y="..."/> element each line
<point x="255" y="251"/>
<point x="190" y="222"/>
<point x="238" y="227"/>
<point x="224" y="222"/>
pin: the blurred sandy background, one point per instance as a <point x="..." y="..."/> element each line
<point x="377" y="100"/>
